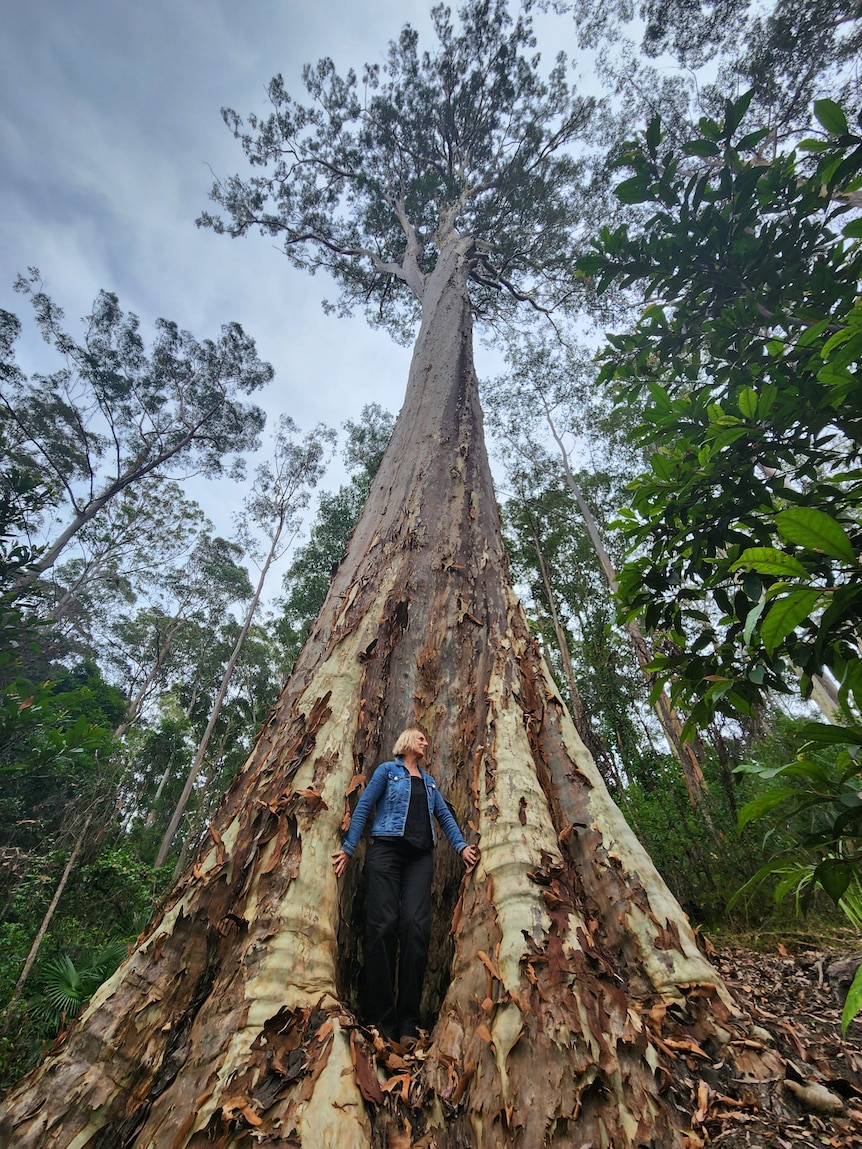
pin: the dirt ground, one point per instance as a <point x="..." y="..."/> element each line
<point x="793" y="994"/>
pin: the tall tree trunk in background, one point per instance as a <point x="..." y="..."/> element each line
<point x="686" y="753"/>
<point x="559" y="968"/>
<point x="200" y="754"/>
<point x="43" y="928"/>
<point x="581" y="719"/>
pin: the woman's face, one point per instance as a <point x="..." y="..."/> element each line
<point x="421" y="746"/>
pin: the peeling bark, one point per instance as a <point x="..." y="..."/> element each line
<point x="561" y="970"/>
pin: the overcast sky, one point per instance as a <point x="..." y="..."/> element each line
<point x="110" y="127"/>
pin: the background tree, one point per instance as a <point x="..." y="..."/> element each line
<point x="114" y="413"/>
<point x="786" y="52"/>
<point x="281" y="490"/>
<point x="552" y="390"/>
<point x="567" y="947"/>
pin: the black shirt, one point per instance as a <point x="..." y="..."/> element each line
<point x="417" y="830"/>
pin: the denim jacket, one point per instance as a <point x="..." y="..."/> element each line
<point x="389" y="791"/>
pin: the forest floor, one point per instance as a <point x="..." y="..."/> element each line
<point x="789" y="980"/>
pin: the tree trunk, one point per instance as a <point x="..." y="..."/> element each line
<point x="182" y="801"/>
<point x="559" y="968"/>
<point x="581" y="719"/>
<point x="136" y="702"/>
<point x="43" y="928"/>
<point x="684" y="752"/>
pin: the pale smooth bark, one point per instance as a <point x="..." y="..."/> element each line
<point x="559" y="968"/>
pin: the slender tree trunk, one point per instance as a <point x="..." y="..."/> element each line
<point x="217" y="705"/>
<point x="194" y="830"/>
<point x="684" y="751"/>
<point x="140" y="696"/>
<point x="43" y="928"/>
<point x="579" y="714"/>
<point x="560" y="969"/>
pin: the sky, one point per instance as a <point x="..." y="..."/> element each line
<point x="110" y="133"/>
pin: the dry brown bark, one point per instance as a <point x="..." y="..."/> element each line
<point x="563" y="976"/>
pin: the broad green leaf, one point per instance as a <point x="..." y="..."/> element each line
<point x="785" y="614"/>
<point x="766" y="560"/>
<point x="634" y="190"/>
<point x="705" y="148"/>
<point x="747" y="402"/>
<point x="751" y="621"/>
<point x="808" y="527"/>
<point x="819" y="734"/>
<point x="661" y="466"/>
<point x="853" y="1002"/>
<point x="831" y="117"/>
<point x="811" y="334"/>
<point x="752" y="139"/>
<point x="853" y="230"/>
<point x="834" y="876"/>
<point x="762" y="805"/>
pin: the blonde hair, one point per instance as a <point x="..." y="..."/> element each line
<point x="407" y="740"/>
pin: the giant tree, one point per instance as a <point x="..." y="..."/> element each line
<point x="561" y="968"/>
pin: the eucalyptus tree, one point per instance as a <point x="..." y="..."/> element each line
<point x="125" y="555"/>
<point x="115" y="411"/>
<point x="786" y="52"/>
<point x="553" y="559"/>
<point x="450" y="189"/>
<point x="281" y="491"/>
<point x="160" y="643"/>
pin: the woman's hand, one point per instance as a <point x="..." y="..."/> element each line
<point x="339" y="862"/>
<point x="470" y="856"/>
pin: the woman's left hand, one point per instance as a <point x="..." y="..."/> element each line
<point x="470" y="856"/>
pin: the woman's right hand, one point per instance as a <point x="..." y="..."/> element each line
<point x="339" y="862"/>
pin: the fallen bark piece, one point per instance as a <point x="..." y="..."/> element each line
<point x="840" y="975"/>
<point x="816" y="1097"/>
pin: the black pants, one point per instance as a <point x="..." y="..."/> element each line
<point x="398" y="920"/>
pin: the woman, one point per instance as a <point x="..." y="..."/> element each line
<point x="398" y="869"/>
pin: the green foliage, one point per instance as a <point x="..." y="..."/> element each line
<point x="702" y="874"/>
<point x="107" y="902"/>
<point x="819" y="794"/>
<point x="748" y="523"/>
<point x="114" y="411"/>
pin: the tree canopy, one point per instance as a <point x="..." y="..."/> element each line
<point x="116" y="411"/>
<point x="371" y="177"/>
